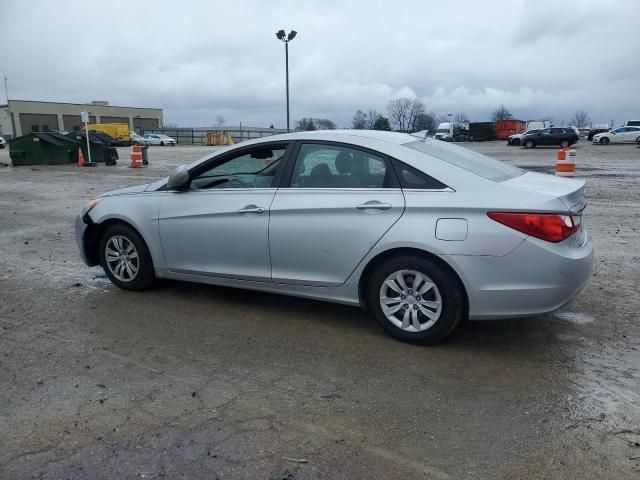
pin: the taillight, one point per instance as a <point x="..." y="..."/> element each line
<point x="552" y="227"/>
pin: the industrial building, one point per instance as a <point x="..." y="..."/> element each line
<point x="20" y="117"/>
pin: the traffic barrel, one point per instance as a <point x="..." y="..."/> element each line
<point x="136" y="157"/>
<point x="565" y="164"/>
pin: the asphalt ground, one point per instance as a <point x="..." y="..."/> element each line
<point x="194" y="381"/>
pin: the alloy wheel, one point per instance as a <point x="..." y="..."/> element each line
<point x="122" y="258"/>
<point x="410" y="300"/>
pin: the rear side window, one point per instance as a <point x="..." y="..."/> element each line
<point x="473" y="162"/>
<point x="412" y="178"/>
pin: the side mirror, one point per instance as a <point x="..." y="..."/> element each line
<point x="179" y="179"/>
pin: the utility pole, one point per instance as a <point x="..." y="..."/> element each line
<point x="13" y="123"/>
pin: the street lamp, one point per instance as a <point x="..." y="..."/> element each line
<point x="281" y="35"/>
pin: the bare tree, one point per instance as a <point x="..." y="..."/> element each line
<point x="461" y="117"/>
<point x="399" y="113"/>
<point x="324" y="124"/>
<point x="219" y="121"/>
<point x="501" y="113"/>
<point x="306" y="124"/>
<point x="581" y="119"/>
<point x="416" y="112"/>
<point x="425" y="121"/>
<point x="404" y="111"/>
<point x="360" y="120"/>
<point x="372" y="118"/>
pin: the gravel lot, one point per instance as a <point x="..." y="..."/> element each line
<point x="192" y="381"/>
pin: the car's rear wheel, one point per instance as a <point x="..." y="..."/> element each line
<point x="564" y="143"/>
<point x="529" y="144"/>
<point x="415" y="300"/>
<point x="125" y="258"/>
<point x="604" y="141"/>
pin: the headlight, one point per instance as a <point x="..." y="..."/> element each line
<point x="87" y="208"/>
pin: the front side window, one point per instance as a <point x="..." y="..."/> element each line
<point x="559" y="131"/>
<point x="546" y="131"/>
<point x="255" y="168"/>
<point x="331" y="166"/>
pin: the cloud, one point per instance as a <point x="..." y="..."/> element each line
<point x="201" y="59"/>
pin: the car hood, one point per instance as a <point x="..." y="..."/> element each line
<point x="126" y="191"/>
<point x="570" y="191"/>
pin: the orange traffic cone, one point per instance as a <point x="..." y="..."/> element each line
<point x="80" y="158"/>
<point x="565" y="166"/>
<point x="136" y="157"/>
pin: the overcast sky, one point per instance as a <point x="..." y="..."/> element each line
<point x="198" y="60"/>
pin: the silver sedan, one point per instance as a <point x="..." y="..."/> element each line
<point x="421" y="233"/>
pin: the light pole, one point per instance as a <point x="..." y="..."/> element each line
<point x="281" y="35"/>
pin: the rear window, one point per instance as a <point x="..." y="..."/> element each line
<point x="481" y="165"/>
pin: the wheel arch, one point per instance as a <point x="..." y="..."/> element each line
<point x="94" y="233"/>
<point x="380" y="258"/>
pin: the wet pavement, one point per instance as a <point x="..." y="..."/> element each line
<point x="193" y="381"/>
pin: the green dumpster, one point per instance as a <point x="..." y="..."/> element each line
<point x="102" y="146"/>
<point x="43" y="148"/>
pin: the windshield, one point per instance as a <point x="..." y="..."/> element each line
<point x="442" y="130"/>
<point x="468" y="160"/>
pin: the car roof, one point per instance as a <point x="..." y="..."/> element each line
<point x="341" y="136"/>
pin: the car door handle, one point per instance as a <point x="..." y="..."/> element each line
<point x="374" y="205"/>
<point x="251" y="209"/>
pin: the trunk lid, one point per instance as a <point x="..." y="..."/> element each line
<point x="569" y="191"/>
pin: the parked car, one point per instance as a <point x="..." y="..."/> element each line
<point x="632" y="123"/>
<point x="422" y="233"/>
<point x="561" y="136"/>
<point x="622" y="134"/>
<point x="139" y="140"/>
<point x="516" y="138"/>
<point x="618" y="135"/>
<point x="3" y="142"/>
<point x="158" y="139"/>
<point x="596" y="130"/>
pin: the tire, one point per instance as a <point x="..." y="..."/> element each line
<point x="604" y="141"/>
<point x="446" y="301"/>
<point x="162" y="144"/>
<point x="125" y="236"/>
<point x="564" y="143"/>
<point x="529" y="144"/>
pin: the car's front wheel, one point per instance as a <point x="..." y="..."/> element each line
<point x="564" y="143"/>
<point x="415" y="300"/>
<point x="125" y="258"/>
<point x="529" y="144"/>
<point x="604" y="141"/>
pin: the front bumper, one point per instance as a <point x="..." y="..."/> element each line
<point x="81" y="228"/>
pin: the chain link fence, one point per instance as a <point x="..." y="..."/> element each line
<point x="198" y="136"/>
